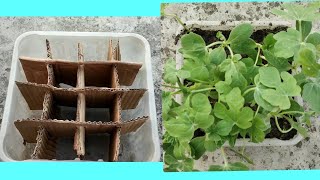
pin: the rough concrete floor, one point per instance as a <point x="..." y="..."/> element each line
<point x="304" y="155"/>
<point x="12" y="27"/>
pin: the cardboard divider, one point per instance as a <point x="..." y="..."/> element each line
<point x="117" y="54"/>
<point x="66" y="71"/>
<point x="94" y="84"/>
<point x="95" y="97"/>
<point x="131" y="98"/>
<point x="116" y="106"/>
<point x="35" y="72"/>
<point x="45" y="147"/>
<point x="48" y="110"/>
<point x="66" y="128"/>
<point x="79" y="137"/>
<point x="110" y="51"/>
<point x="133" y="124"/>
<point x="51" y="77"/>
<point x="115" y="78"/>
<point x="116" y="109"/>
<point x="113" y="54"/>
<point x="114" y="145"/>
<point x="49" y="54"/>
<point x="59" y="128"/>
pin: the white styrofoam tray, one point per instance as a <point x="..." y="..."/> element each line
<point x="228" y="25"/>
<point x="142" y="145"/>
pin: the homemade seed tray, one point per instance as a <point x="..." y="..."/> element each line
<point x="82" y="102"/>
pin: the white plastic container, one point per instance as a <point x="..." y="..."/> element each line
<point x="142" y="145"/>
<point x="227" y="25"/>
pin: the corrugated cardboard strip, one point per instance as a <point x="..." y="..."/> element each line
<point x="45" y="147"/>
<point x="93" y="84"/>
<point x="95" y="97"/>
<point x="66" y="71"/>
<point x="66" y="128"/>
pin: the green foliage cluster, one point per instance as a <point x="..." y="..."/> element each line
<point x="234" y="87"/>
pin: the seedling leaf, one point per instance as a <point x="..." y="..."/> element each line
<point x="311" y="94"/>
<point x="197" y="145"/>
<point x="170" y="71"/>
<point x="307" y="58"/>
<point x="240" y="33"/>
<point x="277" y="93"/>
<point x="297" y="12"/>
<point x="193" y="46"/>
<point x="281" y="64"/>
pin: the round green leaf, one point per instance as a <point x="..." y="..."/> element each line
<point x="169" y="159"/>
<point x="240" y="33"/>
<point x="311" y="94"/>
<point x="181" y="150"/>
<point x="203" y="120"/>
<point x="269" y="76"/>
<point x="199" y="73"/>
<point x="197" y="145"/>
<point x="180" y="128"/>
<point x="262" y="102"/>
<point x="234" y="99"/>
<point x="210" y="145"/>
<point x="287" y="43"/>
<point x="201" y="103"/>
<point x="217" y="55"/>
<point x="220" y="110"/>
<point x="224" y="127"/>
<point x="244" y="118"/>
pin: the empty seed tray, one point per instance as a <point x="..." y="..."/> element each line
<point x="80" y="96"/>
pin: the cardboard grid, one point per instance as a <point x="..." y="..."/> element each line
<point x="91" y="84"/>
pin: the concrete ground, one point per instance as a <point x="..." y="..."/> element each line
<point x="304" y="155"/>
<point x="12" y="27"/>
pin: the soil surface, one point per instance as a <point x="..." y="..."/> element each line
<point x="275" y="133"/>
<point x="198" y="133"/>
<point x="209" y="36"/>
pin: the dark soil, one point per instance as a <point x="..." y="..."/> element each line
<point x="212" y="101"/>
<point x="209" y="36"/>
<point x="198" y="133"/>
<point x="188" y="83"/>
<point x="259" y="35"/>
<point x="254" y="108"/>
<point x="275" y="133"/>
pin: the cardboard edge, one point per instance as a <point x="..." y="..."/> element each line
<point x="115" y="145"/>
<point x="45" y="146"/>
<point x="47" y="111"/>
<point x="133" y="124"/>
